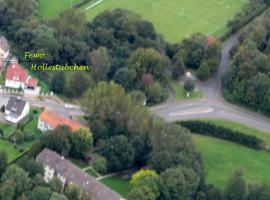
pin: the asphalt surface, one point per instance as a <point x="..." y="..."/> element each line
<point x="212" y="106"/>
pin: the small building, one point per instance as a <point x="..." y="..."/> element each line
<point x="16" y="110"/>
<point x="49" y="120"/>
<point x="17" y="77"/>
<point x="68" y="173"/>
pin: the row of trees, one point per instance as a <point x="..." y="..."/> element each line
<point x="247" y="81"/>
<point x="206" y="128"/>
<point x="250" y="10"/>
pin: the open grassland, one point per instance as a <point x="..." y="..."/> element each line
<point x="222" y="158"/>
<point x="52" y="8"/>
<point x="175" y="19"/>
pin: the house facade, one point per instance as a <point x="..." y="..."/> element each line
<point x="17" y="77"/>
<point x="49" y="120"/>
<point x="68" y="173"/>
<point x="16" y="110"/>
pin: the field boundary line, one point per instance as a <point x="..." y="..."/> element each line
<point x="94" y="4"/>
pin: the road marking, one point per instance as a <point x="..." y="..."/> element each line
<point x="200" y="110"/>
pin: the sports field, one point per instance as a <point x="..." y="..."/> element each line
<point x="222" y="158"/>
<point x="52" y="8"/>
<point x="176" y="19"/>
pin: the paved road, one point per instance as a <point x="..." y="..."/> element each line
<point x="48" y="103"/>
<point x="213" y="105"/>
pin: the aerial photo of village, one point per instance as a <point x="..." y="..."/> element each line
<point x="134" y="100"/>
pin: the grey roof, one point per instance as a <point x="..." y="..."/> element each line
<point x="75" y="175"/>
<point x="15" y="106"/>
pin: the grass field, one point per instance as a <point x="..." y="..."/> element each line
<point x="52" y="8"/>
<point x="176" y="19"/>
<point x="222" y="158"/>
<point x="118" y="184"/>
<point x="7" y="129"/>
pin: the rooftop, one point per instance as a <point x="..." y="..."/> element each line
<point x="75" y="175"/>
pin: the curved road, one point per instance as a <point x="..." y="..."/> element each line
<point x="213" y="105"/>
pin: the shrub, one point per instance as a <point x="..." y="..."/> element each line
<point x="205" y="128"/>
<point x="155" y="93"/>
<point x="3" y="108"/>
<point x="100" y="165"/>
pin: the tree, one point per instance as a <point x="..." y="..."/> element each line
<point x="138" y="97"/>
<point x="178" y="69"/>
<point x="41" y="193"/>
<point x="155" y="93"/>
<point x="101" y="165"/>
<point x="17" y="176"/>
<point x="73" y="192"/>
<point x="258" y="191"/>
<point x="58" y="82"/>
<point x="57" y="196"/>
<point x="56" y="185"/>
<point x="101" y="62"/>
<point x="236" y="187"/>
<point x="141" y="193"/>
<point x="78" y="83"/>
<point x="81" y="142"/>
<point x="172" y="146"/>
<point x="203" y="72"/>
<point x="3" y="162"/>
<point x="57" y="140"/>
<point x="119" y="153"/>
<point x="178" y="184"/>
<point x="125" y="77"/>
<point x="31" y="166"/>
<point x="189" y="85"/>
<point x="147" y="178"/>
<point x="7" y="190"/>
<point x="147" y="61"/>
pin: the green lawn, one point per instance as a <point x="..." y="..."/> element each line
<point x="91" y="173"/>
<point x="80" y="163"/>
<point x="52" y="8"/>
<point x="222" y="158"/>
<point x="242" y="128"/>
<point x="9" y="148"/>
<point x="181" y="93"/>
<point x="176" y="19"/>
<point x="8" y="129"/>
<point x="118" y="184"/>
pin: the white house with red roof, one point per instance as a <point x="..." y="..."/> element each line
<point x="18" y="77"/>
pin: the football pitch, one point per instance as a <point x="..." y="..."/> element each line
<point x="175" y="19"/>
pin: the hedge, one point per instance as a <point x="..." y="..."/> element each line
<point x="208" y="129"/>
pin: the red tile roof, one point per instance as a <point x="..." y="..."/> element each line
<point x="32" y="82"/>
<point x="16" y="73"/>
<point x="55" y="120"/>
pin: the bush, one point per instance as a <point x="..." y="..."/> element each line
<point x="28" y="136"/>
<point x="100" y="165"/>
<point x="205" y="128"/>
<point x="155" y="93"/>
<point x="1" y="132"/>
<point x="203" y="72"/>
<point x="189" y="85"/>
<point x="3" y="108"/>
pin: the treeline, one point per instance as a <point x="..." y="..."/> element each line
<point x="247" y="81"/>
<point x="208" y="129"/>
<point x="251" y="9"/>
<point x="120" y="46"/>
